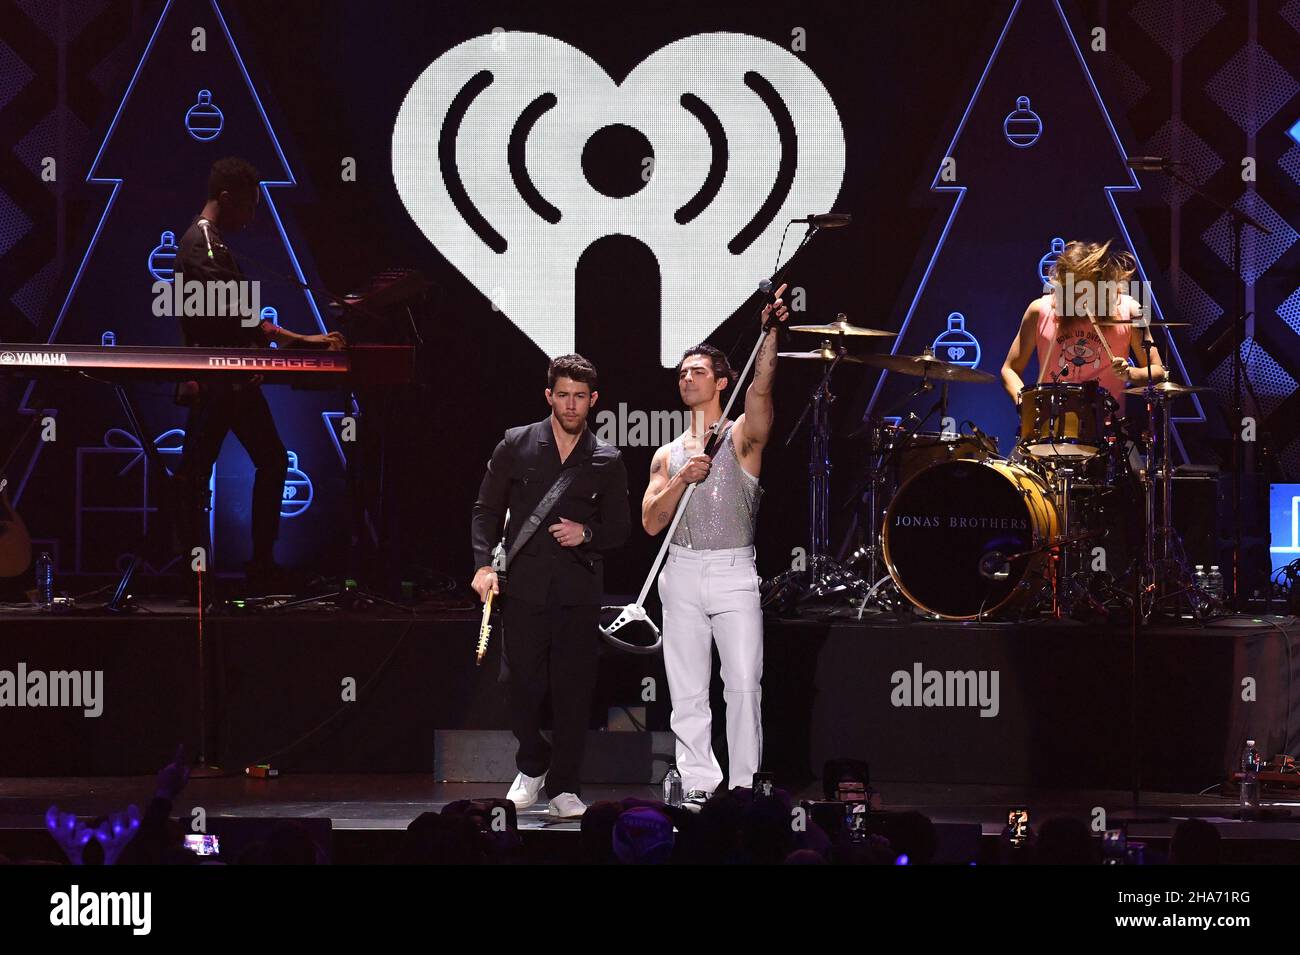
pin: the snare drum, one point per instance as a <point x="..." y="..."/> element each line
<point x="953" y="531"/>
<point x="1064" y="420"/>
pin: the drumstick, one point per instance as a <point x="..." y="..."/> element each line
<point x="1102" y="335"/>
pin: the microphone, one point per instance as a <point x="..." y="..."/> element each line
<point x="988" y="443"/>
<point x="826" y="220"/>
<point x="1151" y="163"/>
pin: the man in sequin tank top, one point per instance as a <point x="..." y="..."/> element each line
<point x="709" y="584"/>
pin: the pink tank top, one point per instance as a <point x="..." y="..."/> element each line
<point x="1071" y="351"/>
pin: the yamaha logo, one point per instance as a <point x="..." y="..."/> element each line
<point x="8" y="358"/>
<point x="739" y="137"/>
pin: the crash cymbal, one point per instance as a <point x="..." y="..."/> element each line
<point x="841" y="326"/>
<point x="1170" y="389"/>
<point x="825" y="353"/>
<point x="927" y="366"/>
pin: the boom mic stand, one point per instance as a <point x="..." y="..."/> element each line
<point x="1239" y="220"/>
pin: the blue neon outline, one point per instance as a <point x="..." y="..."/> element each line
<point x="979" y="351"/>
<point x="171" y="279"/>
<point x="960" y="192"/>
<point x="1294" y="131"/>
<point x="198" y="102"/>
<point x="116" y="183"/>
<point x="311" y="488"/>
<point x="1006" y="119"/>
<point x="329" y="417"/>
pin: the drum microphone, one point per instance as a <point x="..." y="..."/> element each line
<point x="826" y="220"/>
<point x="985" y="441"/>
<point x="995" y="566"/>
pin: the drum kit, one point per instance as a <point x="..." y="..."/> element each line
<point x="1075" y="521"/>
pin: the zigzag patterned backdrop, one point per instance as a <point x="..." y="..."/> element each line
<point x="1210" y="84"/>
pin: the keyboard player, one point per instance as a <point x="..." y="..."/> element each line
<point x="219" y="407"/>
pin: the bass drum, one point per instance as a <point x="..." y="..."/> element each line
<point x="947" y="526"/>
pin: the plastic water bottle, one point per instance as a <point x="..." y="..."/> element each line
<point x="1216" y="582"/>
<point x="1202" y="579"/>
<point x="45" y="579"/>
<point x="673" y="787"/>
<point x="1250" y="765"/>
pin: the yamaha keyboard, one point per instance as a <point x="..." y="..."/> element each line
<point x="355" y="365"/>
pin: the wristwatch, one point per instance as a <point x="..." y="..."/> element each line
<point x="586" y="534"/>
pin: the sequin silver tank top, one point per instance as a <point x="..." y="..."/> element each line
<point x="722" y="511"/>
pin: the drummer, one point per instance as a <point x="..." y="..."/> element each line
<point x="1087" y="279"/>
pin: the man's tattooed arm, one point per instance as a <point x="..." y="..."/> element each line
<point x="661" y="496"/>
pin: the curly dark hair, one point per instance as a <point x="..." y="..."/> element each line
<point x="233" y="175"/>
<point x="721" y="366"/>
<point x="571" y="366"/>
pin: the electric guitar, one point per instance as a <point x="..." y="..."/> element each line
<point x="484" y="630"/>
<point x="485" y="625"/>
<point x="15" y="543"/>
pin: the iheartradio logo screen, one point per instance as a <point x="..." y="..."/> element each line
<point x="724" y="138"/>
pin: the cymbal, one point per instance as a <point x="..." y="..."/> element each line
<point x="927" y="366"/>
<point x="825" y="353"/>
<point x="1120" y="322"/>
<point x="842" y="327"/>
<point x="1170" y="390"/>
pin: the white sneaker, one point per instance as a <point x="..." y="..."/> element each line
<point x="566" y="806"/>
<point x="695" y="800"/>
<point x="524" y="790"/>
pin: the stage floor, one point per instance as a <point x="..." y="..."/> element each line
<point x="392" y="801"/>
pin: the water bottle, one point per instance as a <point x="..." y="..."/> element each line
<point x="45" y="579"/>
<point x="1216" y="582"/>
<point x="1202" y="579"/>
<point x="1250" y="765"/>
<point x="672" y="787"/>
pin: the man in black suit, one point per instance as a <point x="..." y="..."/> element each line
<point x="556" y="579"/>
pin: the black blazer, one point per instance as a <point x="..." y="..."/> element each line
<point x="523" y="467"/>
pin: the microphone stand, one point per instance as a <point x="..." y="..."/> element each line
<point x="635" y="612"/>
<point x="1239" y="222"/>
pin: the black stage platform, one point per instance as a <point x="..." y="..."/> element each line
<point x="374" y="717"/>
<point x="376" y="691"/>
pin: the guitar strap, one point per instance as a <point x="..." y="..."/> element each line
<point x="539" y="512"/>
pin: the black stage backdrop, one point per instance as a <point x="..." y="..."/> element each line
<point x="567" y="238"/>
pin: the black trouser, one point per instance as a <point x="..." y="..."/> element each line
<point x="562" y="640"/>
<point x="219" y="409"/>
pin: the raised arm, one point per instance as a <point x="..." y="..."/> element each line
<point x="755" y="425"/>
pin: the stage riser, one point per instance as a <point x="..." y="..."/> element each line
<point x="277" y="683"/>
<point x="1064" y="703"/>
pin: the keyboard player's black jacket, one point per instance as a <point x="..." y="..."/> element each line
<point x="523" y="467"/>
